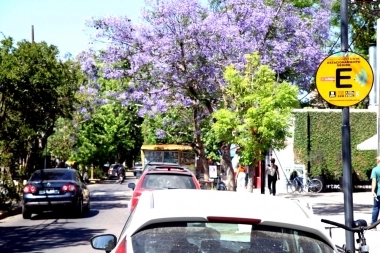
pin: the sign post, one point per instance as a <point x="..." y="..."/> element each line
<point x="345" y="79"/>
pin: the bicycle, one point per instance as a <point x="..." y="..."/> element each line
<point x="219" y="184"/>
<point x="290" y="186"/>
<point x="216" y="184"/>
<point x="359" y="226"/>
<point x="312" y="185"/>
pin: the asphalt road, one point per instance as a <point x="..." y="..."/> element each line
<point x="62" y="232"/>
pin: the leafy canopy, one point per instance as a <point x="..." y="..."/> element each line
<point x="258" y="110"/>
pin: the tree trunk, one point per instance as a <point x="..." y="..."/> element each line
<point x="251" y="176"/>
<point x="199" y="147"/>
<point x="227" y="166"/>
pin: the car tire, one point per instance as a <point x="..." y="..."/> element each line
<point x="87" y="208"/>
<point x="79" y="209"/>
<point x="134" y="173"/>
<point x="26" y="214"/>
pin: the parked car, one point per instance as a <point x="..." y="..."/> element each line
<point x="190" y="221"/>
<point x="55" y="189"/>
<point x="137" y="169"/>
<point x="112" y="171"/>
<point x="163" y="177"/>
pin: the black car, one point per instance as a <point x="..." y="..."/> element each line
<point x="55" y="189"/>
<point x="113" y="171"/>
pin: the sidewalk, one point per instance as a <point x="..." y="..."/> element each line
<point x="14" y="209"/>
<point x="330" y="206"/>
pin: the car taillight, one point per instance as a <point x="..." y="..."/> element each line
<point x="68" y="188"/>
<point x="233" y="219"/>
<point x="30" y="189"/>
<point x="122" y="247"/>
<point x="134" y="201"/>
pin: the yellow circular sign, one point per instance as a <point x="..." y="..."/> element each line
<point x="344" y="79"/>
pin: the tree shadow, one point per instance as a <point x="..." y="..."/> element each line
<point x="338" y="209"/>
<point x="32" y="239"/>
<point x="64" y="215"/>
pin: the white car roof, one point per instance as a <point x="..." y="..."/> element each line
<point x="197" y="205"/>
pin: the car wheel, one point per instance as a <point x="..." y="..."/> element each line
<point x="87" y="208"/>
<point x="26" y="214"/>
<point x="79" y="209"/>
<point x="134" y="174"/>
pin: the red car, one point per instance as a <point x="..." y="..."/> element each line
<point x="163" y="177"/>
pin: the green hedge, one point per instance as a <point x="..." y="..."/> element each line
<point x="325" y="135"/>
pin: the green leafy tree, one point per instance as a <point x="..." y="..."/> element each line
<point x="61" y="142"/>
<point x="257" y="109"/>
<point x="113" y="133"/>
<point x="173" y="127"/>
<point x="35" y="90"/>
<point x="362" y="25"/>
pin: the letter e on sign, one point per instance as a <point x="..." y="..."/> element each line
<point x="344" y="79"/>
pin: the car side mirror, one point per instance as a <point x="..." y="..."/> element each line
<point x="104" y="242"/>
<point x="132" y="186"/>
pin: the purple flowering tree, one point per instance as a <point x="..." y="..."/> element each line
<point x="178" y="54"/>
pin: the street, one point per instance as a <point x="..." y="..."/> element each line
<point x="60" y="232"/>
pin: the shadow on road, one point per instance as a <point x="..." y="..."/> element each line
<point x="63" y="215"/>
<point x="33" y="239"/>
<point x="113" y="181"/>
<point x="338" y="209"/>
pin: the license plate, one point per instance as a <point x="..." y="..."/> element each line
<point x="48" y="191"/>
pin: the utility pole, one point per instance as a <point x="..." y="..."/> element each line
<point x="32" y="34"/>
<point x="346" y="140"/>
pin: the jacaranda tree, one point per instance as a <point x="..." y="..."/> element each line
<point x="178" y="54"/>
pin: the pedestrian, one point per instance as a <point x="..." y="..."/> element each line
<point x="273" y="176"/>
<point x="375" y="187"/>
<point x="240" y="178"/>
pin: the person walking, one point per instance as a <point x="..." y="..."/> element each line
<point x="240" y="178"/>
<point x="273" y="176"/>
<point x="375" y="187"/>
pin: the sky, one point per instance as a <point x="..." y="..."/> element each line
<point x="60" y="22"/>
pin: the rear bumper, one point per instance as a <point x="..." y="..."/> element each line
<point x="137" y="172"/>
<point x="49" y="203"/>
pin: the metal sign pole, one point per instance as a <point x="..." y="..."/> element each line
<point x="377" y="79"/>
<point x="346" y="140"/>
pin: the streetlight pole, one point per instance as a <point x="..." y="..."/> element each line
<point x="346" y="140"/>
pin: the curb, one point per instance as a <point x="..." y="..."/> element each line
<point x="14" y="210"/>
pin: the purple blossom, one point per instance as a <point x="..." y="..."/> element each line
<point x="161" y="134"/>
<point x="178" y="55"/>
<point x="83" y="110"/>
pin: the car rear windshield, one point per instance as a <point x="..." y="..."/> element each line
<point x="51" y="175"/>
<point x="191" y="237"/>
<point x="168" y="181"/>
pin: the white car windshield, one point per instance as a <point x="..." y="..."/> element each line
<point x="192" y="237"/>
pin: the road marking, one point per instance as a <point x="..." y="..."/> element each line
<point x="119" y="193"/>
<point x="108" y="193"/>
